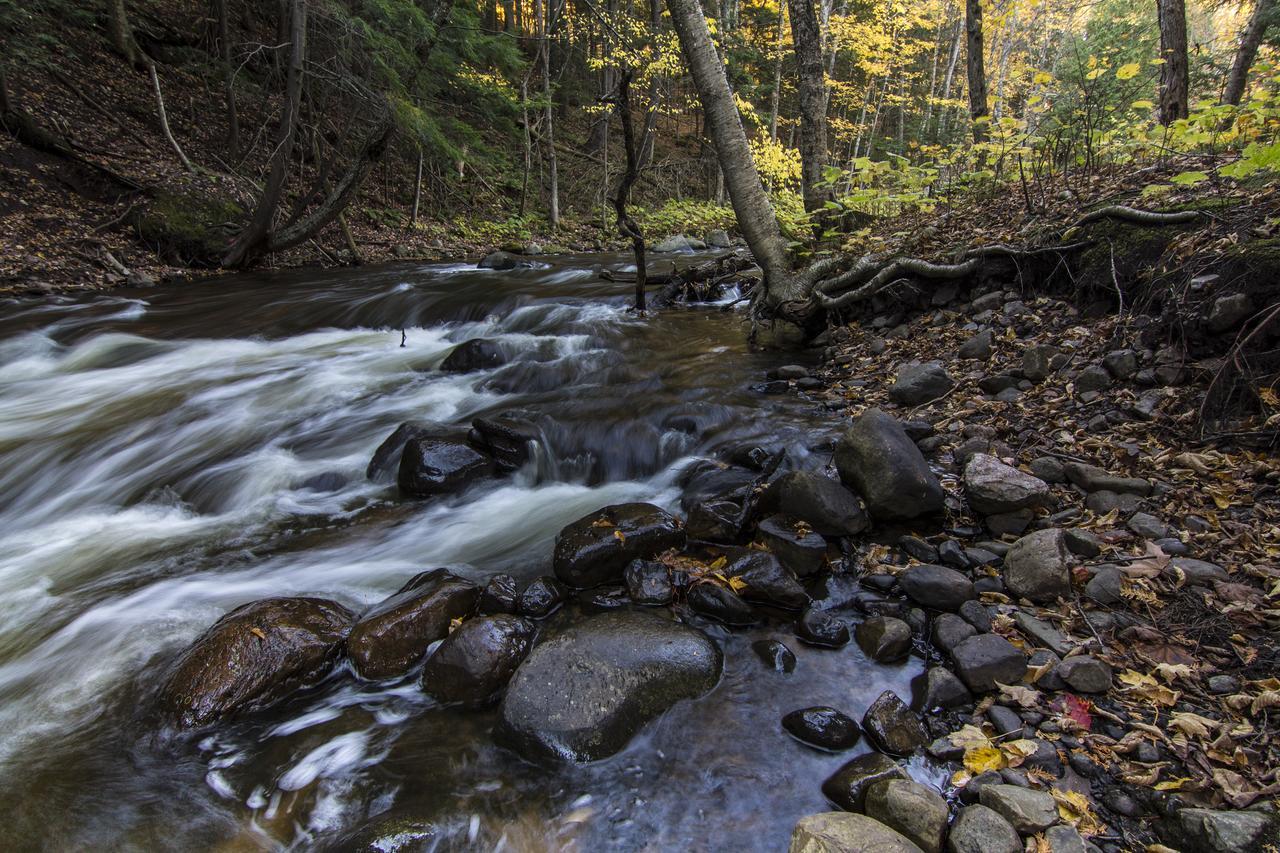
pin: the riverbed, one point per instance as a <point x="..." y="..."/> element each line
<point x="171" y="453"/>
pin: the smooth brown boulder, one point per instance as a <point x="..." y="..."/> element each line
<point x="598" y="547"/>
<point x="393" y="636"/>
<point x="253" y="657"/>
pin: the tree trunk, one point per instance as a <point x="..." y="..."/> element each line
<point x="945" y="109"/>
<point x="776" y="97"/>
<point x="977" y="72"/>
<point x="1250" y="39"/>
<point x="542" y="21"/>
<point x="654" y="93"/>
<point x="417" y="190"/>
<point x="122" y="33"/>
<point x="751" y="204"/>
<point x="249" y="241"/>
<point x="1172" y="15"/>
<point x="228" y="80"/>
<point x="627" y="226"/>
<point x="813" y="101"/>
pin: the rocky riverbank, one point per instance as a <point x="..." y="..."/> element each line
<point x="1012" y="499"/>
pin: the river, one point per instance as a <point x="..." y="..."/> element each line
<point x="171" y="453"/>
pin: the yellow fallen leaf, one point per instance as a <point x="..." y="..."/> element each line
<point x="257" y="632"/>
<point x="980" y="759"/>
<point x="737" y="584"/>
<point x="620" y="536"/>
<point x="1073" y="808"/>
<point x="1172" y="785"/>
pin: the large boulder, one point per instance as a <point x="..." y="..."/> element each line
<point x="506" y="439"/>
<point x="843" y="832"/>
<point x="1038" y="567"/>
<point x="978" y="829"/>
<point x="393" y="635"/>
<point x="848" y="786"/>
<point x="878" y="460"/>
<point x="478" y="659"/>
<point x="583" y="694"/>
<point x="438" y="466"/>
<point x="920" y="383"/>
<point x="475" y="354"/>
<point x="993" y="487"/>
<point x="821" y="502"/>
<point x="503" y="261"/>
<point x="597" y="548"/>
<point x="1209" y="831"/>
<point x="254" y="656"/>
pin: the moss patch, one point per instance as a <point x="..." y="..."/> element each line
<point x="188" y="229"/>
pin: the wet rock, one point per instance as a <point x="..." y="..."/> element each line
<point x="678" y="243"/>
<point x="714" y="521"/>
<point x="819" y="628"/>
<point x="913" y="810"/>
<point x="500" y="595"/>
<point x="775" y="654"/>
<point x="893" y="726"/>
<point x="1227" y="312"/>
<point x="766" y="579"/>
<point x="1198" y="572"/>
<point x="252" y="657"/>
<point x="952" y="553"/>
<point x="824" y="504"/>
<point x="608" y="598"/>
<point x="1147" y="526"/>
<point x="721" y="604"/>
<point x="993" y="487"/>
<point x="439" y="466"/>
<point x="386" y="459"/>
<point x="505" y="439"/>
<point x="392" y="636"/>
<point x="949" y="631"/>
<point x="330" y="481"/>
<point x="847" y="787"/>
<point x="920" y="383"/>
<point x="584" y="693"/>
<point x="877" y="459"/>
<point x="842" y="832"/>
<point x="1038" y="567"/>
<point x="936" y="587"/>
<point x="789" y="371"/>
<point x="978" y="829"/>
<point x="986" y="659"/>
<point x="822" y="727"/>
<point x="1091" y="478"/>
<point x="978" y="346"/>
<point x="477" y="660"/>
<point x="718" y="239"/>
<point x="597" y="548"/>
<point x="503" y="261"/>
<point x="1006" y="720"/>
<point x="475" y="354"/>
<point x="1026" y="811"/>
<point x="648" y="583"/>
<point x="884" y="639"/>
<point x="1085" y="674"/>
<point x="542" y="597"/>
<point x="798" y="548"/>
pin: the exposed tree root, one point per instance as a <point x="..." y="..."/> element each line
<point x="1141" y="217"/>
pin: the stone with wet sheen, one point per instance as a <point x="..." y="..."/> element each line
<point x="775" y="654"/>
<point x="254" y="656"/>
<point x="847" y="787"/>
<point x="721" y="604"/>
<point x="597" y="548"/>
<point x="583" y="694"/>
<point x="438" y="466"/>
<point x="766" y="579"/>
<point x="893" y="726"/>
<point x="822" y="727"/>
<point x="826" y="505"/>
<point x="394" y="634"/>
<point x="542" y="597"/>
<point x="477" y="660"/>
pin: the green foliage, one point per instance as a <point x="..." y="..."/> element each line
<point x="490" y="232"/>
<point x="675" y="216"/>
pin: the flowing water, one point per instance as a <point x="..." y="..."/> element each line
<point x="169" y="454"/>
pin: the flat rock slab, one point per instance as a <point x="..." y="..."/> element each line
<point x="583" y="694"/>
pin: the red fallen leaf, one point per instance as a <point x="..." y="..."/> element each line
<point x="1070" y="705"/>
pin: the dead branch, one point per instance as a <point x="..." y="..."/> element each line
<point x="1142" y="217"/>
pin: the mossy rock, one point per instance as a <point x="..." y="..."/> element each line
<point x="188" y="228"/>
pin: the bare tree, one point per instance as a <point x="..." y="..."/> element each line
<point x="228" y="77"/>
<point x="1250" y="40"/>
<point x="1172" y="16"/>
<point x="977" y="71"/>
<point x="544" y="19"/>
